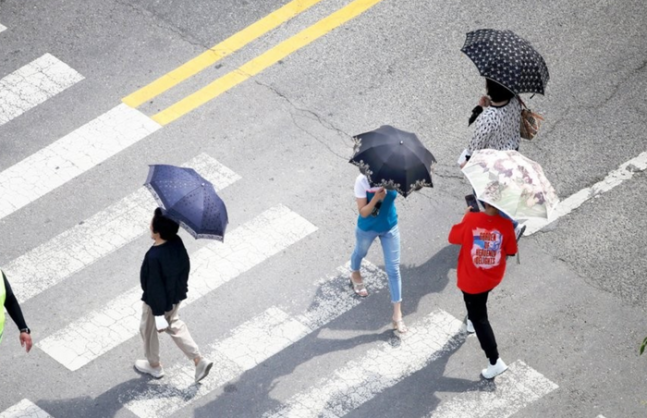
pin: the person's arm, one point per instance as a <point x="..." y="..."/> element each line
<point x="511" y="242"/>
<point x="13" y="309"/>
<point x="155" y="287"/>
<point x="365" y="208"/>
<point x="12" y="306"/>
<point x="457" y="231"/>
<point x="480" y="136"/>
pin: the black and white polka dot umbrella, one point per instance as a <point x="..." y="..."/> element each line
<point x="509" y="60"/>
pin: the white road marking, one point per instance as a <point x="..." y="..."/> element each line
<point x="2" y="28"/>
<point x="24" y="409"/>
<point x="212" y="266"/>
<point x="31" y="85"/>
<point x="510" y="392"/>
<point x="71" y="156"/>
<point x="251" y="344"/>
<point x="625" y="172"/>
<point x="380" y="368"/>
<point x="98" y="236"/>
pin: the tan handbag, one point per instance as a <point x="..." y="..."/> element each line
<point x="530" y="122"/>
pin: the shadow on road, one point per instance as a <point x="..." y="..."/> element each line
<point x="251" y="394"/>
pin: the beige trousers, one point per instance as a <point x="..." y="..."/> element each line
<point x="177" y="330"/>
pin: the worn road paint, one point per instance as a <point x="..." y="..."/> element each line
<point x="71" y="156"/>
<point x="97" y="332"/>
<point x="33" y="84"/>
<point x="502" y="397"/>
<point x="360" y="380"/>
<point x="263" y="61"/>
<point x="217" y="52"/>
<point x="625" y="172"/>
<point x="252" y="343"/>
<point x="98" y="236"/>
<point x="24" y="409"/>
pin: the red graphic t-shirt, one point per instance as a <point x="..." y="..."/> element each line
<point x="485" y="242"/>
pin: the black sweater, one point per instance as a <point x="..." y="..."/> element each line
<point x="12" y="306"/>
<point x="165" y="275"/>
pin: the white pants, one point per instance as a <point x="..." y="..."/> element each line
<point x="177" y="330"/>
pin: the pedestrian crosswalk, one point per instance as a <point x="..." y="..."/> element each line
<point x="98" y="236"/>
<point x="24" y="409"/>
<point x="88" y="337"/>
<point x="71" y="156"/>
<point x="250" y="244"/>
<point x="32" y="84"/>
<point x="252" y="343"/>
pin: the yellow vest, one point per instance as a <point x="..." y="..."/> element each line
<point x="3" y="295"/>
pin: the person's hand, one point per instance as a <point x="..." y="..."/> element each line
<point x="484" y="101"/>
<point x="468" y="210"/>
<point x="25" y="341"/>
<point x="381" y="193"/>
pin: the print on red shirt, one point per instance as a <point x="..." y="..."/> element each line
<point x="486" y="249"/>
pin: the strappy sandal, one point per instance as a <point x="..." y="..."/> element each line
<point x="399" y="326"/>
<point x="358" y="288"/>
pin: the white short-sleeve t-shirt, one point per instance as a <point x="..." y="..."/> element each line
<point x="361" y="186"/>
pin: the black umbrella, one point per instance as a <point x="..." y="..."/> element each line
<point x="393" y="159"/>
<point x="188" y="199"/>
<point x="507" y="59"/>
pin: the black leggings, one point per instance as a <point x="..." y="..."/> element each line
<point x="477" y="313"/>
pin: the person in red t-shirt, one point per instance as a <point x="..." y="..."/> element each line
<point x="486" y="239"/>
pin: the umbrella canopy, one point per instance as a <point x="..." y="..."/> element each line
<point x="507" y="59"/>
<point x="393" y="159"/>
<point x="512" y="183"/>
<point x="188" y="199"/>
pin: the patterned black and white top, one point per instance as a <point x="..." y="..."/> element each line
<point x="497" y="128"/>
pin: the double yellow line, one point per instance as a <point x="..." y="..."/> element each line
<point x="249" y="69"/>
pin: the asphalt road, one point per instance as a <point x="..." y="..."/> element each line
<point x="573" y="310"/>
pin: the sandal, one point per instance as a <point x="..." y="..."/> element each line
<point x="399" y="326"/>
<point x="358" y="288"/>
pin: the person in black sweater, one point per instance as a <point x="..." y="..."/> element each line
<point x="164" y="279"/>
<point x="14" y="311"/>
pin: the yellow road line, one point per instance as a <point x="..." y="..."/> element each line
<point x="214" y="54"/>
<point x="263" y="61"/>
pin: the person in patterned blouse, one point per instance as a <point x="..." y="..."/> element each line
<point x="498" y="119"/>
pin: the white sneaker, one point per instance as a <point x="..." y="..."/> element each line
<point x="145" y="367"/>
<point x="202" y="369"/>
<point x="470" y="327"/>
<point x="493" y="371"/>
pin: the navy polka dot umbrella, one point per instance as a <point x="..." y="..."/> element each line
<point x="507" y="59"/>
<point x="189" y="200"/>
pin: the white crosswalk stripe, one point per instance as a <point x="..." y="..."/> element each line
<point x="511" y="392"/>
<point x="252" y="343"/>
<point x="98" y="236"/>
<point x="381" y="367"/>
<point x="246" y="346"/>
<point x="24" y="409"/>
<point x="71" y="156"/>
<point x="212" y="266"/>
<point x="2" y="28"/>
<point x="33" y="84"/>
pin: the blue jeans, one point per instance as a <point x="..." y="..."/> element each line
<point x="390" y="247"/>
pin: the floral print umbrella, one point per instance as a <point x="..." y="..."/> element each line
<point x="512" y="183"/>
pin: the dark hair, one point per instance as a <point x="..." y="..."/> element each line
<point x="497" y="92"/>
<point x="166" y="227"/>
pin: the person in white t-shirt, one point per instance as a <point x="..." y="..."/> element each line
<point x="378" y="218"/>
